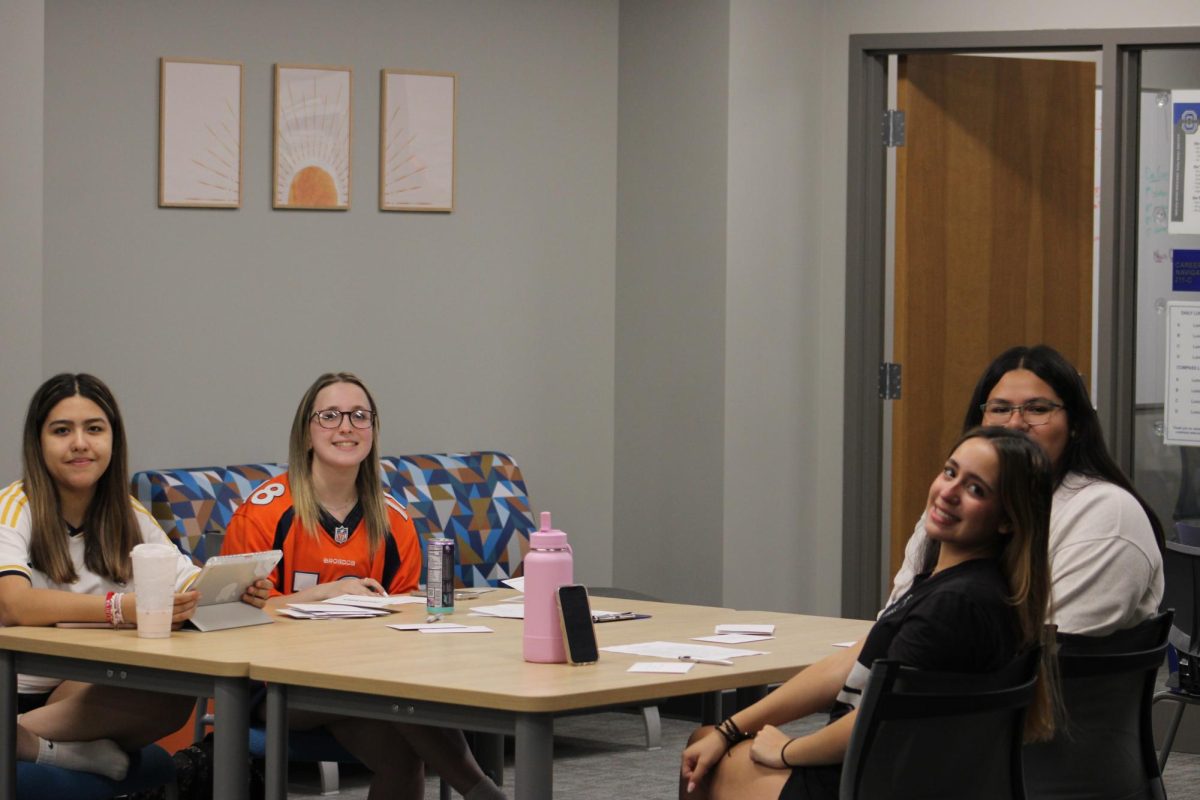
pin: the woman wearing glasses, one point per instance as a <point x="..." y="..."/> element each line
<point x="1105" y="542"/>
<point x="341" y="533"/>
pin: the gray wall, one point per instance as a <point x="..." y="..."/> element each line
<point x="21" y="56"/>
<point x="491" y="327"/>
<point x="670" y="303"/>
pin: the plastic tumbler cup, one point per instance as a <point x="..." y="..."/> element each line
<point x="154" y="587"/>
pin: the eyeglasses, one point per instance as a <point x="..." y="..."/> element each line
<point x="1035" y="412"/>
<point x="332" y="418"/>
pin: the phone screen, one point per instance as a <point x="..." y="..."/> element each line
<point x="576" y="616"/>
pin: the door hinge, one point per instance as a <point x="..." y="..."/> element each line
<point x="889" y="381"/>
<point x="893" y="128"/>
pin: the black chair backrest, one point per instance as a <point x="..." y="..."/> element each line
<point x="939" y="735"/>
<point x="1105" y="746"/>
<point x="1181" y="592"/>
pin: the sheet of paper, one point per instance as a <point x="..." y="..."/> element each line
<point x="379" y="601"/>
<point x="467" y="594"/>
<point x="844" y="644"/>
<point x="515" y="583"/>
<point x="731" y="638"/>
<point x="678" y="667"/>
<point x="677" y="649"/>
<point x="458" y="629"/>
<point x="505" y="610"/>
<point x="758" y="630"/>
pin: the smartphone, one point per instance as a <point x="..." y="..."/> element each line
<point x="575" y="615"/>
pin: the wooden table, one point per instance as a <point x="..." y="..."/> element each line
<point x="189" y="662"/>
<point x="481" y="682"/>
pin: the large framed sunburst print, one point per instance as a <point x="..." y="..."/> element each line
<point x="313" y="124"/>
<point x="199" y="133"/>
<point x="416" y="140"/>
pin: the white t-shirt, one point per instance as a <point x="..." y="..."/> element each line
<point x="15" y="529"/>
<point x="1106" y="571"/>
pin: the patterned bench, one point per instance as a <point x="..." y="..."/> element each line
<point x="478" y="499"/>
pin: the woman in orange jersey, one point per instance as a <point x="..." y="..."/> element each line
<point x="341" y="533"/>
<point x="66" y="530"/>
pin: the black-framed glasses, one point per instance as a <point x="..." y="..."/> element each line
<point x="332" y="418"/>
<point x="1034" y="412"/>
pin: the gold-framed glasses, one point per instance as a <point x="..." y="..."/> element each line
<point x="1034" y="412"/>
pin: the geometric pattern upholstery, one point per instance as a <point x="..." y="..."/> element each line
<point x="478" y="499"/>
<point x="186" y="503"/>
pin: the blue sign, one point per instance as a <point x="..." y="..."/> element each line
<point x="1185" y="270"/>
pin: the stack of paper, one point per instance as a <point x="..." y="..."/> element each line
<point x="376" y="601"/>
<point x="442" y="627"/>
<point x="739" y="633"/>
<point x="329" y="611"/>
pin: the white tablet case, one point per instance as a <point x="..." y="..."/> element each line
<point x="222" y="583"/>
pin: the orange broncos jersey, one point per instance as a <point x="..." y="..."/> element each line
<point x="267" y="521"/>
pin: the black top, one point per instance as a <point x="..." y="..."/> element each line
<point x="958" y="620"/>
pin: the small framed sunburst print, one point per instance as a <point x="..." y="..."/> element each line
<point x="416" y="140"/>
<point x="199" y="133"/>
<point x="313" y="123"/>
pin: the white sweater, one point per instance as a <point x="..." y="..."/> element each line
<point x="1106" y="570"/>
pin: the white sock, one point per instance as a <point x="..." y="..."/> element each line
<point x="101" y="756"/>
<point x="485" y="790"/>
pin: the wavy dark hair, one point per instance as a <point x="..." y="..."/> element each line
<point x="112" y="529"/>
<point x="1085" y="452"/>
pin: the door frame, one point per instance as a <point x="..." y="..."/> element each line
<point x="866" y="185"/>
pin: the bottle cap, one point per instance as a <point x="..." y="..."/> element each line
<point x="547" y="538"/>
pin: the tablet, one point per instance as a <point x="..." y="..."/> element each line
<point x="224" y="579"/>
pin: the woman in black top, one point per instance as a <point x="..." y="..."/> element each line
<point x="980" y="600"/>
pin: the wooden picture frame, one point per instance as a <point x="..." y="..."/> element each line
<point x="416" y="140"/>
<point x="313" y="129"/>
<point x="199" y="133"/>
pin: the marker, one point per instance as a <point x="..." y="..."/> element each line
<point x="432" y="618"/>
<point x="724" y="662"/>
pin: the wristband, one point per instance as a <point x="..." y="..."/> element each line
<point x="732" y="734"/>
<point x="118" y="616"/>
<point x="783" y="749"/>
<point x="108" y="607"/>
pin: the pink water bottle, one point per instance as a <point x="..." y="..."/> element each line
<point x="548" y="565"/>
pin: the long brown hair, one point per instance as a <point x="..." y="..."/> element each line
<point x="300" y="455"/>
<point x="110" y="525"/>
<point x="1025" y="489"/>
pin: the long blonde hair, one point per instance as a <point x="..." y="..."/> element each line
<point x="111" y="529"/>
<point x="367" y="483"/>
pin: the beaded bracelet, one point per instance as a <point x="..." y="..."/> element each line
<point x="108" y="607"/>
<point x="732" y="733"/>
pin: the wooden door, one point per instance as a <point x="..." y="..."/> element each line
<point x="994" y="210"/>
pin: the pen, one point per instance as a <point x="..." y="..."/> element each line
<point x="724" y="662"/>
<point x="432" y="618"/>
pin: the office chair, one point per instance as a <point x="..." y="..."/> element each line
<point x="1181" y="575"/>
<point x="1105" y="746"/>
<point x="939" y="734"/>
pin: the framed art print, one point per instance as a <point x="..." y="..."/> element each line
<point x="312" y="137"/>
<point x="199" y="133"/>
<point x="416" y="140"/>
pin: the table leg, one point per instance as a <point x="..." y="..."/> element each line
<point x="535" y="757"/>
<point x="8" y="725"/>
<point x="277" y="741"/>
<point x="231" y="733"/>
<point x="710" y="708"/>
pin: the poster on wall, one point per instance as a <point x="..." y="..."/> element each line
<point x="1185" y="162"/>
<point x="1181" y="409"/>
<point x="312" y="137"/>
<point x="199" y="133"/>
<point x="416" y="140"/>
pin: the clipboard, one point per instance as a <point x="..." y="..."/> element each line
<point x="222" y="582"/>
